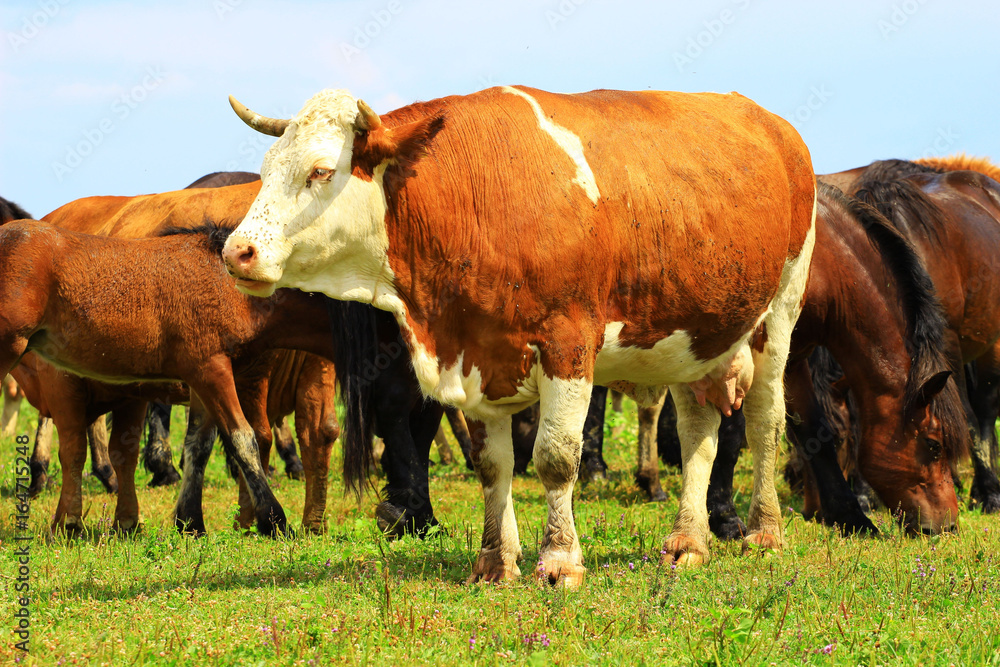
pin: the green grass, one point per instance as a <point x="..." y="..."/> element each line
<point x="352" y="597"/>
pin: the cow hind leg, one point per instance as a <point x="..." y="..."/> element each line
<point x="12" y="397"/>
<point x="40" y="457"/>
<point x="764" y="406"/>
<point x="156" y="455"/>
<point x="493" y="457"/>
<point x="563" y="410"/>
<point x="698" y="430"/>
<point x="285" y="444"/>
<point x="647" y="472"/>
<point x="100" y="461"/>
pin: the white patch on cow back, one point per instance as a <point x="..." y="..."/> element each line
<point x="569" y="142"/>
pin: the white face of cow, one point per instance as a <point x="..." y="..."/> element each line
<point x="314" y="225"/>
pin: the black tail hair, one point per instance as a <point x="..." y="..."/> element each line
<point x="355" y="342"/>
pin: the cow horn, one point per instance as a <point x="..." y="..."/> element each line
<point x="272" y="126"/>
<point x="367" y="119"/>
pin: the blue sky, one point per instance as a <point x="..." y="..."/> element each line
<point x="128" y="98"/>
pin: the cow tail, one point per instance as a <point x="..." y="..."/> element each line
<point x="355" y="346"/>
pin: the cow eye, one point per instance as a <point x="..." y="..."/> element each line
<point x="319" y="174"/>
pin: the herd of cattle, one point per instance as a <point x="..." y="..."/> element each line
<point x="479" y="254"/>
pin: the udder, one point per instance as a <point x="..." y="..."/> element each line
<point x="727" y="384"/>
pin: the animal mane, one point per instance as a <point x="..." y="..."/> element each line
<point x="884" y="185"/>
<point x="214" y="234"/>
<point x="11" y="211"/>
<point x="963" y="162"/>
<point x="926" y="324"/>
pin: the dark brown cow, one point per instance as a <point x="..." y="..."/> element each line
<point x="532" y="244"/>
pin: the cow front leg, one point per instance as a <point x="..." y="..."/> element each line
<point x="563" y="410"/>
<point x="493" y="459"/>
<point x="698" y="432"/>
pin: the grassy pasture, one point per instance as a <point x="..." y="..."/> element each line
<point x="352" y="597"/>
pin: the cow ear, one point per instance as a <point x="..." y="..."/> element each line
<point x="402" y="145"/>
<point x="412" y="140"/>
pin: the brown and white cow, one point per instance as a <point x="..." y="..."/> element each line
<point x="532" y="244"/>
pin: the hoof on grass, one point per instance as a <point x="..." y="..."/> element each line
<point x="684" y="551"/>
<point x="763" y="543"/>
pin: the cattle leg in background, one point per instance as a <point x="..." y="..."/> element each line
<point x="524" y="430"/>
<point x="647" y="471"/>
<point x="668" y="445"/>
<point x="983" y="383"/>
<point x="156" y="456"/>
<point x="40" y="456"/>
<point x="592" y="465"/>
<point x="12" y="397"/>
<point x="444" y="449"/>
<point x="318" y="429"/>
<point x="101" y="465"/>
<point x="285" y="444"/>
<point x="406" y="504"/>
<point x="616" y="401"/>
<point x="198" y="442"/>
<point x="460" y="429"/>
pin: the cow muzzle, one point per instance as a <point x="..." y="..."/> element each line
<point x="242" y="261"/>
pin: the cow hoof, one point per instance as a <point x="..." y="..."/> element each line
<point x="728" y="526"/>
<point x="861" y="526"/>
<point x="683" y="550"/>
<point x="168" y="478"/>
<point x="72" y="527"/>
<point x="988" y="503"/>
<point x="294" y="470"/>
<point x="271" y="522"/>
<point x="106" y="475"/>
<point x="491" y="568"/>
<point x="391" y="520"/>
<point x="763" y="543"/>
<point x="194" y="527"/>
<point x="38" y="484"/>
<point x="128" y="526"/>
<point x="564" y="572"/>
<point x="657" y="496"/>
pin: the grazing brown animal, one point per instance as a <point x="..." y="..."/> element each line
<point x="953" y="219"/>
<point x="161" y="309"/>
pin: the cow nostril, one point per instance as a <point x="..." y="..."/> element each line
<point x="245" y="255"/>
